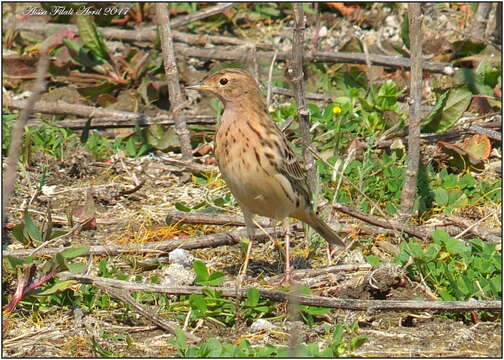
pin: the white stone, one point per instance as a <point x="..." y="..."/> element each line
<point x="181" y="256"/>
<point x="261" y="324"/>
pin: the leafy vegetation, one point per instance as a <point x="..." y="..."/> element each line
<point x="214" y="348"/>
<point x="454" y="270"/>
<point x="358" y="132"/>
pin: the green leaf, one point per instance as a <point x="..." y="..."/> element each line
<point x="182" y="207"/>
<point x="252" y="297"/>
<point x="316" y="310"/>
<point x="454" y="246"/>
<point x="18" y="233"/>
<point x="415" y="249"/>
<point x="30" y="229"/>
<point x="180" y="340"/>
<point x="441" y="196"/>
<point x="92" y="37"/>
<point x="468" y="181"/>
<point x="79" y="54"/>
<point x="94" y="91"/>
<point x="75" y="251"/>
<point x="467" y="47"/>
<point x="405" y="31"/>
<point x="59" y="286"/>
<point x="357" y="341"/>
<point x="13" y="262"/>
<point x="215" y="279"/>
<point x="197" y="302"/>
<point x="338" y="334"/>
<point x="201" y="272"/>
<point x="214" y="348"/>
<point x="373" y="260"/>
<point x="131" y="150"/>
<point x="163" y="140"/>
<point x="440" y="236"/>
<point x="76" y="268"/>
<point x="496" y="284"/>
<point x="457" y="101"/>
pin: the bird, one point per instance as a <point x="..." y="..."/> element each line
<point x="256" y="160"/>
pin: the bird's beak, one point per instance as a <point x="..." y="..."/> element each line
<point x="199" y="87"/>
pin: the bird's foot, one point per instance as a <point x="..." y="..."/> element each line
<point x="285" y="280"/>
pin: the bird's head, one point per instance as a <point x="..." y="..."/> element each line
<point x="231" y="86"/>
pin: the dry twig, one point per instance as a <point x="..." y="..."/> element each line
<point x="199" y="242"/>
<point x="275" y="295"/>
<point x="297" y="80"/>
<point x="125" y="296"/>
<point x="18" y="130"/>
<point x="172" y="77"/>
<point x="410" y="182"/>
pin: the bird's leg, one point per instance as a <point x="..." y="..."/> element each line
<point x="242" y="274"/>
<point x="249" y="222"/>
<point x="287" y="273"/>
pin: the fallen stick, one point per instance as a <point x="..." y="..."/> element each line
<point x="129" y="118"/>
<point x="384" y="223"/>
<point x="206" y="241"/>
<point x="110" y="122"/>
<point x="237" y="54"/>
<point x="173" y="216"/>
<point x="143" y="34"/>
<point x="422" y="232"/>
<point x="275" y="295"/>
<point x="233" y="54"/>
<point x="125" y="297"/>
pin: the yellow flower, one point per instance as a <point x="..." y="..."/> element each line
<point x="336" y="110"/>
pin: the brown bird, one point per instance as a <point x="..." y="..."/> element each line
<point x="256" y="160"/>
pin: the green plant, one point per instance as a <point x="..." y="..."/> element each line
<point x="213" y="306"/>
<point x="27" y="233"/>
<point x="309" y="312"/>
<point x="214" y="348"/>
<point x="455" y="270"/>
<point x="452" y="191"/>
<point x="449" y="107"/>
<point x="45" y="285"/>
<point x="203" y="277"/>
<point x="7" y="123"/>
<point x="253" y="307"/>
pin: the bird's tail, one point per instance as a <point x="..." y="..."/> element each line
<point x="323" y="229"/>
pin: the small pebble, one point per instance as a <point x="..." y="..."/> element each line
<point x="177" y="275"/>
<point x="181" y="256"/>
<point x="261" y="324"/>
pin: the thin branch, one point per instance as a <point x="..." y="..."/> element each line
<point x="297" y="80"/>
<point x="312" y="300"/>
<point x="200" y="242"/>
<point x="234" y="53"/>
<point x="18" y="130"/>
<point x="125" y="297"/>
<point x="111" y="123"/>
<point x="101" y="118"/>
<point x="480" y="21"/>
<point x="173" y="216"/>
<point x="172" y="77"/>
<point x="204" y="13"/>
<point x="385" y="223"/>
<point x="270" y="75"/>
<point x="143" y="34"/>
<point x="410" y="182"/>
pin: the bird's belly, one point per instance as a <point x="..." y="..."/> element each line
<point x="256" y="185"/>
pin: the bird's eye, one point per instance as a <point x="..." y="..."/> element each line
<point x="223" y="81"/>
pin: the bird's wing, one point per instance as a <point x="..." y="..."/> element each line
<point x="291" y="168"/>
